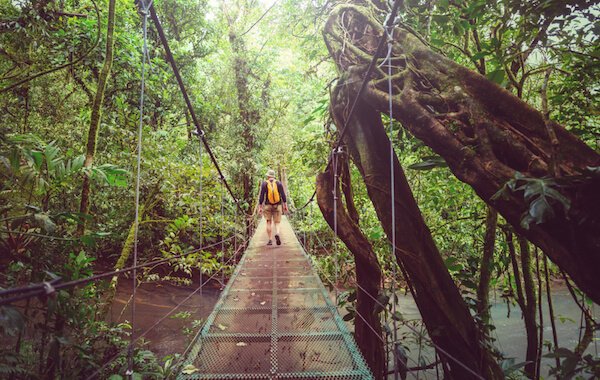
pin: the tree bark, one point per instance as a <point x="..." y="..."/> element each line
<point x="529" y="312"/>
<point x="248" y="115"/>
<point x="525" y="299"/>
<point x="485" y="273"/>
<point x="367" y="331"/>
<point x="551" y="311"/>
<point x="444" y="312"/>
<point x="96" y="116"/>
<point x="485" y="134"/>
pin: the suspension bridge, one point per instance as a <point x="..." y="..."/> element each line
<point x="274" y="319"/>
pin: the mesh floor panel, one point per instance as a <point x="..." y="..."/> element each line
<point x="274" y="320"/>
<point x="305" y="320"/>
<point x="248" y="299"/>
<point x="302" y="298"/>
<point x="310" y="354"/>
<point x="234" y="355"/>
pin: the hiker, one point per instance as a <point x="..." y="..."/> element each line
<point x="272" y="196"/>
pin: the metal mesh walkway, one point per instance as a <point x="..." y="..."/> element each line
<point x="274" y="320"/>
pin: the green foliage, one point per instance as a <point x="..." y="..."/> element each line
<point x="573" y="365"/>
<point x="509" y="367"/>
<point x="79" y="266"/>
<point x="282" y="123"/>
<point x="540" y="193"/>
<point x="429" y="163"/>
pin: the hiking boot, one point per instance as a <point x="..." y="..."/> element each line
<point x="270" y="242"/>
<point x="277" y="239"/>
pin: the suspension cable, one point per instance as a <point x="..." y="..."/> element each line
<point x="145" y="7"/>
<point x="335" y="158"/>
<point x="371" y="328"/>
<point x="389" y="31"/>
<point x="200" y="207"/>
<point x="222" y="231"/>
<point x="169" y="56"/>
<point x="389" y="22"/>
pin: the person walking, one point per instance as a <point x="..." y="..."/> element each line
<point x="272" y="203"/>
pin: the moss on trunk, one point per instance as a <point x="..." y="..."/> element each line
<point x="92" y="138"/>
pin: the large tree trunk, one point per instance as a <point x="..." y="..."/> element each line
<point x="249" y="117"/>
<point x="485" y="134"/>
<point x="367" y="329"/>
<point x="97" y="113"/>
<point x="444" y="312"/>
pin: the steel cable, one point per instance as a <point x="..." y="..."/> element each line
<point x="160" y="320"/>
<point x="42" y="288"/>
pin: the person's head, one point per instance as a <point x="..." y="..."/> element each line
<point x="270" y="174"/>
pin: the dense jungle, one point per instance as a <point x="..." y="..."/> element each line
<point x="440" y="159"/>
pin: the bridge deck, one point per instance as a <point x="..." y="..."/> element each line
<point x="274" y="320"/>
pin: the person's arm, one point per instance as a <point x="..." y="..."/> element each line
<point x="283" y="197"/>
<point x="261" y="197"/>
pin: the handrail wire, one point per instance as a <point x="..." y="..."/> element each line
<point x="93" y="375"/>
<point x="312" y="197"/>
<point x="427" y="338"/>
<point x="389" y="31"/>
<point x="444" y="352"/>
<point x="322" y="273"/>
<point x="48" y="288"/>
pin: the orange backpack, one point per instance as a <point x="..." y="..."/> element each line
<point x="273" y="192"/>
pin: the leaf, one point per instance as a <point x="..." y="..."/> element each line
<point x="352" y="296"/>
<point x="189" y="369"/>
<point x="45" y="222"/>
<point x="38" y="159"/>
<point x="564" y="319"/>
<point x="383" y="299"/>
<point x="478" y="56"/>
<point x="496" y="76"/>
<point x="222" y="327"/>
<point x="77" y="163"/>
<point x="429" y="164"/>
<point x="540" y="193"/>
<point x="110" y="174"/>
<point x="440" y="19"/>
<point x="540" y="210"/>
<point x="508" y="366"/>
